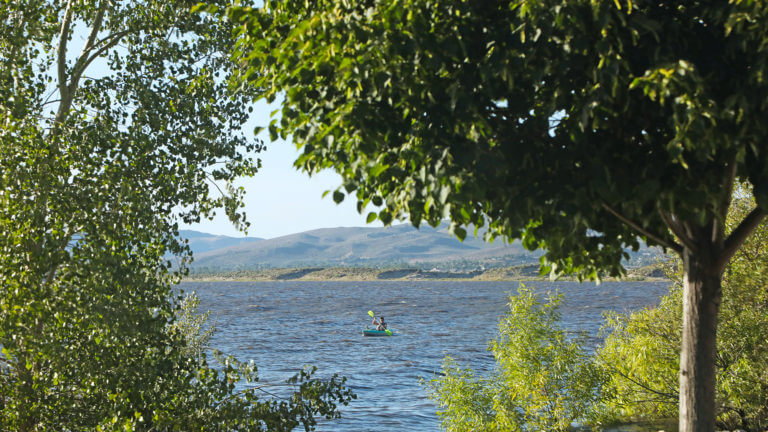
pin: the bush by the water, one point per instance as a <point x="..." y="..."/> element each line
<point x="543" y="379"/>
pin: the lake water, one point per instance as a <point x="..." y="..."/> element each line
<point x="282" y="326"/>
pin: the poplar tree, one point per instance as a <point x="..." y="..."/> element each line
<point x="116" y="124"/>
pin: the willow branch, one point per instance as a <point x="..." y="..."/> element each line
<point x="756" y="382"/>
<point x="673" y="395"/>
<point x="648" y="234"/>
<point x="739" y="236"/>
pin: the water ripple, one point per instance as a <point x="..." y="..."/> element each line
<point x="285" y="325"/>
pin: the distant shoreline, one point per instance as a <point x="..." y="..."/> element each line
<point x="651" y="273"/>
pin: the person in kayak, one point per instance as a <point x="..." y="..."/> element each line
<point x="379" y="323"/>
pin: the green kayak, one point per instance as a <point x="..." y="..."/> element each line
<point x="367" y="332"/>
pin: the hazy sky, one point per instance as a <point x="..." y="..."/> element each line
<point x="281" y="200"/>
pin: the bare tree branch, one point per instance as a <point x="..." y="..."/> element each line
<point x="62" y="64"/>
<point x="84" y="60"/>
<point x="719" y="224"/>
<point x="94" y="30"/>
<point x="738" y="236"/>
<point x="648" y="234"/>
<point x="678" y="230"/>
<point x="116" y="37"/>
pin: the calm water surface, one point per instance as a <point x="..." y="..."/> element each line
<point x="282" y="326"/>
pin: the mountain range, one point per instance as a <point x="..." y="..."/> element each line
<point x="394" y="246"/>
<point x="203" y="242"/>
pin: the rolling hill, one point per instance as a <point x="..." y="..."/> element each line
<point x="391" y="246"/>
<point x="203" y="242"/>
<point x="396" y="246"/>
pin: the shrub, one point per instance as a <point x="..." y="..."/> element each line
<point x="543" y="377"/>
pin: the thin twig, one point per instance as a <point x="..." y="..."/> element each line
<point x="672" y="396"/>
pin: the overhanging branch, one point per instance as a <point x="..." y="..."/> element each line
<point x="643" y="231"/>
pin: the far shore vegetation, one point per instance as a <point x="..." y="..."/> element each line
<point x="652" y="272"/>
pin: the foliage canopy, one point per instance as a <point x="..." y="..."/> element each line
<point x="116" y="123"/>
<point x="564" y="108"/>
<point x="580" y="127"/>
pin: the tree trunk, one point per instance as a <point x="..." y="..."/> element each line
<point x="701" y="304"/>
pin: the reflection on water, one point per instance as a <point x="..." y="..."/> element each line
<point x="284" y="325"/>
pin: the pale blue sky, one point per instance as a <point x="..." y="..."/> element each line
<point x="280" y="200"/>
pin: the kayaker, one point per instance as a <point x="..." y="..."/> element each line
<point x="380" y="324"/>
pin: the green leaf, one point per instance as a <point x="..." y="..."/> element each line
<point x="459" y="232"/>
<point x="378" y="169"/>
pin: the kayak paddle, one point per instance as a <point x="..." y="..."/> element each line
<point x="386" y="330"/>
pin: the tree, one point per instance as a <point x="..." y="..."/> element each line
<point x="580" y="127"/>
<point x="641" y="354"/>
<point x="116" y="123"/>
<point x="543" y="379"/>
